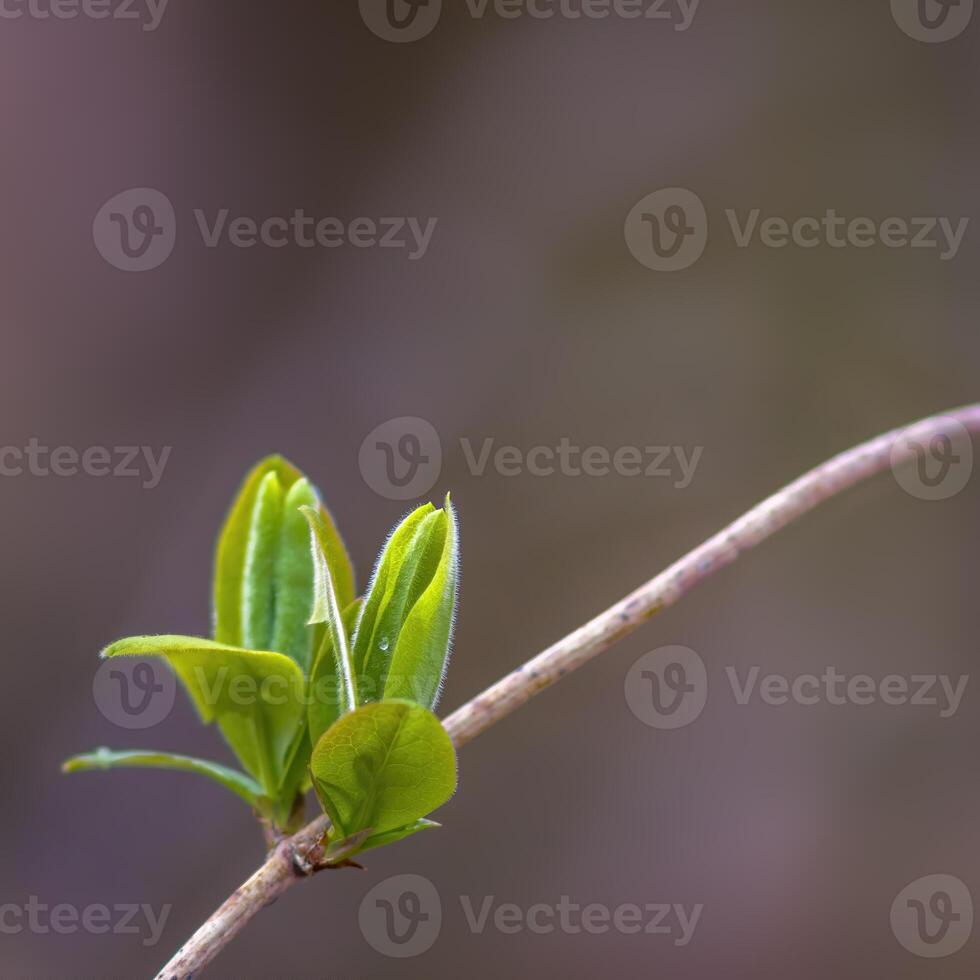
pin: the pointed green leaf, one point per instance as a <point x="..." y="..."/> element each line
<point x="263" y="568"/>
<point x="381" y="600"/>
<point x="400" y="833"/>
<point x="327" y="687"/>
<point x="230" y="585"/>
<point x="326" y="609"/>
<point x="341" y="569"/>
<point x="239" y="784"/>
<point x="338" y="851"/>
<point x="256" y="696"/>
<point x="417" y="568"/>
<point x="383" y="766"/>
<point x="259" y="584"/>
<point x="421" y="652"/>
<point x="294" y="579"/>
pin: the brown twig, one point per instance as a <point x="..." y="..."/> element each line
<point x="292" y="859"/>
<point x="298" y="856"/>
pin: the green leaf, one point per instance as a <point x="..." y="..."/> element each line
<point x="291" y="633"/>
<point x="327" y="685"/>
<point x="392" y="836"/>
<point x="263" y="577"/>
<point x="421" y="653"/>
<point x="339" y="850"/>
<point x="401" y="645"/>
<point x="384" y="597"/>
<point x="383" y="767"/>
<point x="345" y="848"/>
<point x="326" y="609"/>
<point x="259" y="584"/>
<point x="231" y="586"/>
<point x="239" y="784"/>
<point x="341" y="569"/>
<point x="256" y="696"/>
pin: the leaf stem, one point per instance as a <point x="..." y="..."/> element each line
<point x="295" y="857"/>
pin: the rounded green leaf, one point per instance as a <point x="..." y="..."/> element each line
<point x="383" y="767"/>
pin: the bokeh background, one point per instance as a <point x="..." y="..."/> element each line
<point x="528" y="320"/>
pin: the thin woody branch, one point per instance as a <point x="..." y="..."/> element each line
<point x="298" y="856"/>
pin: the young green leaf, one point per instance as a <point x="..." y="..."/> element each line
<point x="341" y="569"/>
<point x="421" y="654"/>
<point x="239" y="784"/>
<point x="259" y="585"/>
<point x="340" y="850"/>
<point x="393" y="836"/>
<point x="382" y="600"/>
<point x="256" y="696"/>
<point x="230" y="585"/>
<point x="294" y="575"/>
<point x="263" y="568"/>
<point x="327" y="684"/>
<point x="414" y="585"/>
<point x="326" y="609"/>
<point x="383" y="767"/>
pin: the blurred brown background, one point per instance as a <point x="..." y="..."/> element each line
<point x="526" y="321"/>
